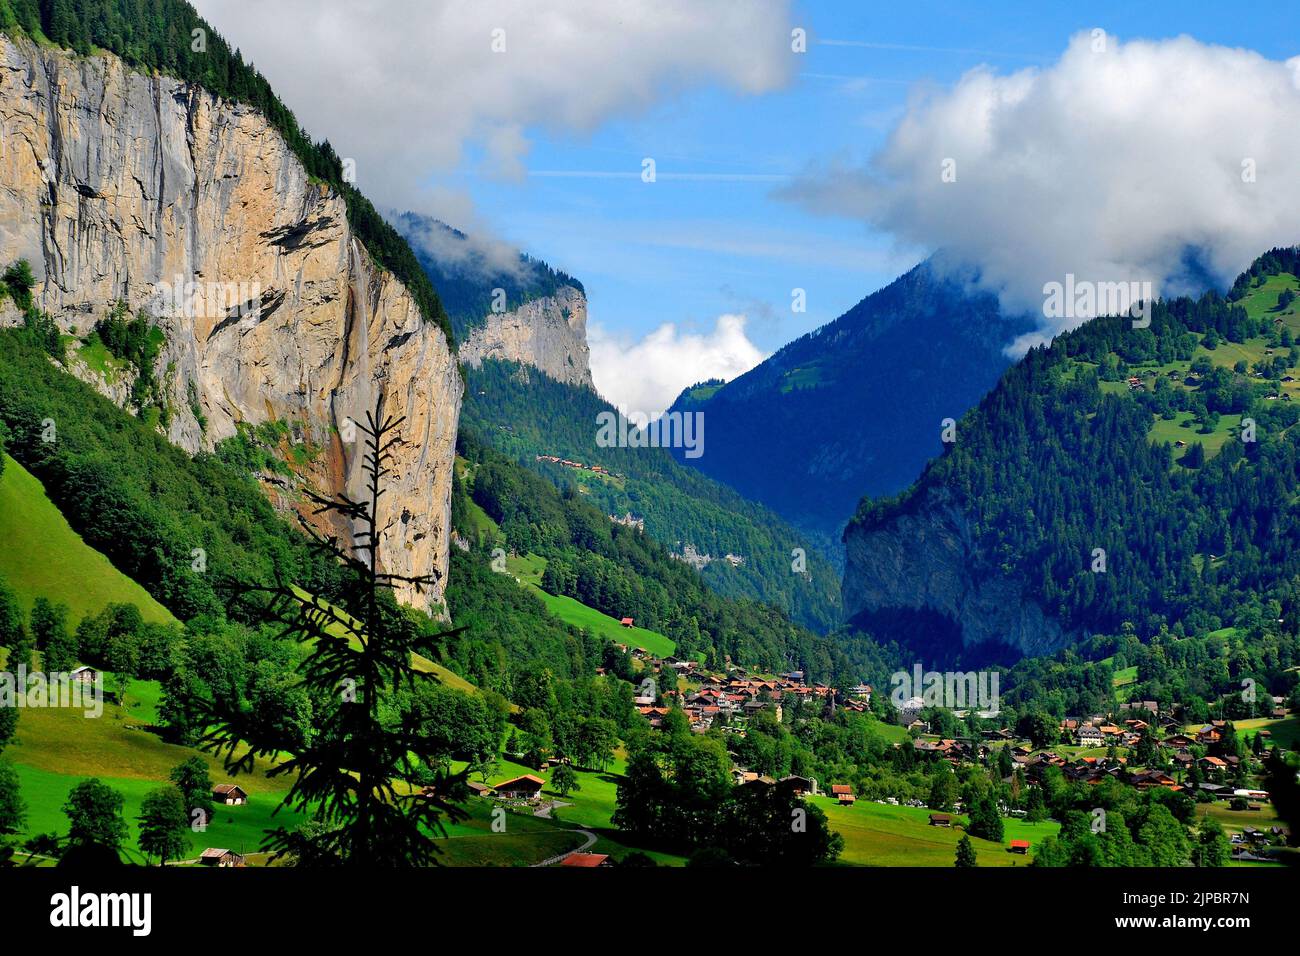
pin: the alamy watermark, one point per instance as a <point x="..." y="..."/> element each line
<point x="133" y="911"/>
<point x="209" y="300"/>
<point x="80" y="689"/>
<point x="1083" y="299"/>
<point x="953" y="690"/>
<point x="670" y="430"/>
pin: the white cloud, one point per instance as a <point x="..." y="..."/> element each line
<point x="407" y="87"/>
<point x="474" y="253"/>
<point x="643" y="378"/>
<point x="1117" y="165"/>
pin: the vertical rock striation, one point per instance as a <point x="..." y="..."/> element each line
<point x="548" y="333"/>
<point x="115" y="186"/>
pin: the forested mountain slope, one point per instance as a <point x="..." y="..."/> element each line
<point x="623" y="572"/>
<point x="1142" y="475"/>
<point x="526" y="414"/>
<point x="855" y="407"/>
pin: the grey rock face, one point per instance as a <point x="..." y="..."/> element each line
<point x="548" y="333"/>
<point x="119" y="186"/>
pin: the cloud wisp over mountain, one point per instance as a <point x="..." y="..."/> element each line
<point x="1170" y="162"/>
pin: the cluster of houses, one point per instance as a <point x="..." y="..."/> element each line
<point x="1097" y="731"/>
<point x="1095" y="770"/>
<point x="954" y="751"/>
<point x="1253" y="843"/>
<point x="579" y="466"/>
<point x="733" y="697"/>
<point x="730" y="699"/>
<point x="1215" y="770"/>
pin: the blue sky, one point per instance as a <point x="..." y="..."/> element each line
<point x="686" y="251"/>
<point x="543" y="147"/>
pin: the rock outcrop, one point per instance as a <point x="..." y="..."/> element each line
<point x="924" y="559"/>
<point x="120" y="186"/>
<point x="548" y="333"/>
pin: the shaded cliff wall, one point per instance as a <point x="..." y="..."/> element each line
<point x="922" y="561"/>
<point x="548" y="333"/>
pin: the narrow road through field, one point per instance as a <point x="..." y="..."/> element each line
<point x="544" y="811"/>
<point x="589" y="839"/>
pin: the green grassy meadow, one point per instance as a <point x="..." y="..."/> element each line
<point x="525" y="841"/>
<point x="590" y="807"/>
<point x="528" y="572"/>
<point x="883" y="835"/>
<point x="1284" y="732"/>
<point x="1125" y="676"/>
<point x="1183" y="428"/>
<point x="241" y="829"/>
<point x="43" y="556"/>
<point x="57" y="748"/>
<point x="1259" y="302"/>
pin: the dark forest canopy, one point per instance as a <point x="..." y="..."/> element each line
<point x="523" y="413"/>
<point x="622" y="571"/>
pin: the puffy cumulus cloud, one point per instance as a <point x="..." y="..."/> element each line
<point x="407" y="87"/>
<point x="1169" y="161"/>
<point x="643" y="378"/>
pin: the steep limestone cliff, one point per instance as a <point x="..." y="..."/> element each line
<point x="119" y="186"/>
<point x="502" y="303"/>
<point x="549" y="333"/>
<point x="922" y="565"/>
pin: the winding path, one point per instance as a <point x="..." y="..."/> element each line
<point x="588" y="839"/>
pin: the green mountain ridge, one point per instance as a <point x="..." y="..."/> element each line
<point x="526" y="414"/>
<point x="855" y="406"/>
<point x="1064" y="509"/>
<point x="620" y="572"/>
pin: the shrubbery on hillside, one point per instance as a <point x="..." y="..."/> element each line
<point x="173" y="523"/>
<point x="523" y="413"/>
<point x="1051" y="466"/>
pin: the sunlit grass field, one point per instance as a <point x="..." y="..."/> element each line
<point x="884" y="835"/>
<point x="42" y="556"/>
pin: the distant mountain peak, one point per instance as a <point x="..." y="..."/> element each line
<point x="855" y="406"/>
<point x="503" y="303"/>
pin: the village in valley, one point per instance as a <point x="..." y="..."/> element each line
<point x="1138" y="746"/>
